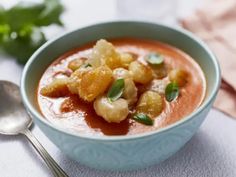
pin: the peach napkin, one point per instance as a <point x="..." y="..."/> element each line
<point x="215" y="23"/>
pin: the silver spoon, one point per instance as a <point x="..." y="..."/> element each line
<point x="14" y="120"/>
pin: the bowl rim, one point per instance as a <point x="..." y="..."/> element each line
<point x="200" y="109"/>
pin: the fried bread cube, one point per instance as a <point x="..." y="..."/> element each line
<point x="126" y="59"/>
<point x="94" y="83"/>
<point x="150" y="103"/>
<point x="178" y="76"/>
<point x="57" y="88"/>
<point x="122" y="73"/>
<point x="160" y="71"/>
<point x="75" y="78"/>
<point x="76" y="63"/>
<point x="104" y="53"/>
<point x="130" y="92"/>
<point x="141" y="73"/>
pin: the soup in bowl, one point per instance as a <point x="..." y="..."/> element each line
<point x="121" y="95"/>
<point x="122" y="87"/>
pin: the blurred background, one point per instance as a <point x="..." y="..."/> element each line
<point x="76" y="14"/>
<point x="80" y="13"/>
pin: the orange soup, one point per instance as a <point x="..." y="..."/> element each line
<point x="171" y="86"/>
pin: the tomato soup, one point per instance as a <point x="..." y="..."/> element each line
<point x="77" y="115"/>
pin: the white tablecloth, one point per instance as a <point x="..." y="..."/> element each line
<point x="211" y="152"/>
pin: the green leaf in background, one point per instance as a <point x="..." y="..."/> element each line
<point x="155" y="59"/>
<point x="23" y="47"/>
<point x="20" y="27"/>
<point x="116" y="90"/>
<point x="4" y="29"/>
<point x="23" y="14"/>
<point x="143" y="118"/>
<point x="2" y="15"/>
<point x="4" y="32"/>
<point x="171" y="91"/>
<point x="50" y="14"/>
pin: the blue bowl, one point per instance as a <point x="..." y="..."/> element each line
<point x="130" y="151"/>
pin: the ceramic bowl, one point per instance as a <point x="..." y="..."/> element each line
<point x="121" y="152"/>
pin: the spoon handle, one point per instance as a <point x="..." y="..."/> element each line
<point x="52" y="165"/>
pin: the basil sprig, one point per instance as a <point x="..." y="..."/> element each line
<point x="155" y="59"/>
<point x="171" y="91"/>
<point x="143" y="118"/>
<point x="116" y="90"/>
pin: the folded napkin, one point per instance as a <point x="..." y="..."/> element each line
<point x="215" y="23"/>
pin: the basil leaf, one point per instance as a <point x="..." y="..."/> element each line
<point x="2" y="15"/>
<point x="23" y="14"/>
<point x="155" y="59"/>
<point x="143" y="118"/>
<point x="116" y="90"/>
<point x="86" y="65"/>
<point x="26" y="45"/>
<point x="37" y="14"/>
<point x="171" y="91"/>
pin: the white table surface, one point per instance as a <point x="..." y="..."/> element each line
<point x="210" y="153"/>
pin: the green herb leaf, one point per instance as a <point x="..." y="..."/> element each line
<point x="143" y="118"/>
<point x="86" y="65"/>
<point x="171" y="91"/>
<point x="2" y="15"/>
<point x="23" y="47"/>
<point x="116" y="90"/>
<point x="20" y="27"/>
<point x="155" y="59"/>
<point x="23" y="14"/>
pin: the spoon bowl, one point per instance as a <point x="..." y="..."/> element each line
<point x="15" y="120"/>
<point x="13" y="116"/>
